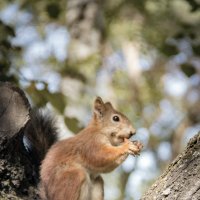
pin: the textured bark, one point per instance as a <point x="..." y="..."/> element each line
<point x="18" y="179"/>
<point x="14" y="109"/>
<point x="181" y="180"/>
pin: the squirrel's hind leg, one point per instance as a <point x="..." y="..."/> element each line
<point x="70" y="184"/>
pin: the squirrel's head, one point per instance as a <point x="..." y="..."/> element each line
<point x="114" y="124"/>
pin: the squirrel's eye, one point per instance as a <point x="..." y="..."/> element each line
<point x="115" y="118"/>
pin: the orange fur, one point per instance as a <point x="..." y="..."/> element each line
<point x="71" y="168"/>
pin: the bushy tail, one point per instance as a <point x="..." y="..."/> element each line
<point x="39" y="134"/>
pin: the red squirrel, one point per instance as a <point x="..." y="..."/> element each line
<point x="71" y="168"/>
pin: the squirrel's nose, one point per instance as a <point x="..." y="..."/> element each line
<point x="132" y="133"/>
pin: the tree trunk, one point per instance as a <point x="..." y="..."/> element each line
<point x="181" y="180"/>
<point x="18" y="177"/>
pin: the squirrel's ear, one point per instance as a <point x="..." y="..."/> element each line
<point x="99" y="107"/>
<point x="108" y="105"/>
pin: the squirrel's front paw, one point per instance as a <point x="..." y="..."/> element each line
<point x="138" y="144"/>
<point x="135" y="147"/>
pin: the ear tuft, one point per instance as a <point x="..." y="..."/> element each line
<point x="99" y="99"/>
<point x="99" y="107"/>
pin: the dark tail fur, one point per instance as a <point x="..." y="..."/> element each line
<point x="39" y="134"/>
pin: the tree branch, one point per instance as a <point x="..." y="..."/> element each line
<point x="181" y="180"/>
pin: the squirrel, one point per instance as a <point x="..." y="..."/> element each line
<point x="70" y="168"/>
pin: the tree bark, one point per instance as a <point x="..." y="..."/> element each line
<point x="14" y="109"/>
<point x="181" y="180"/>
<point x="18" y="177"/>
